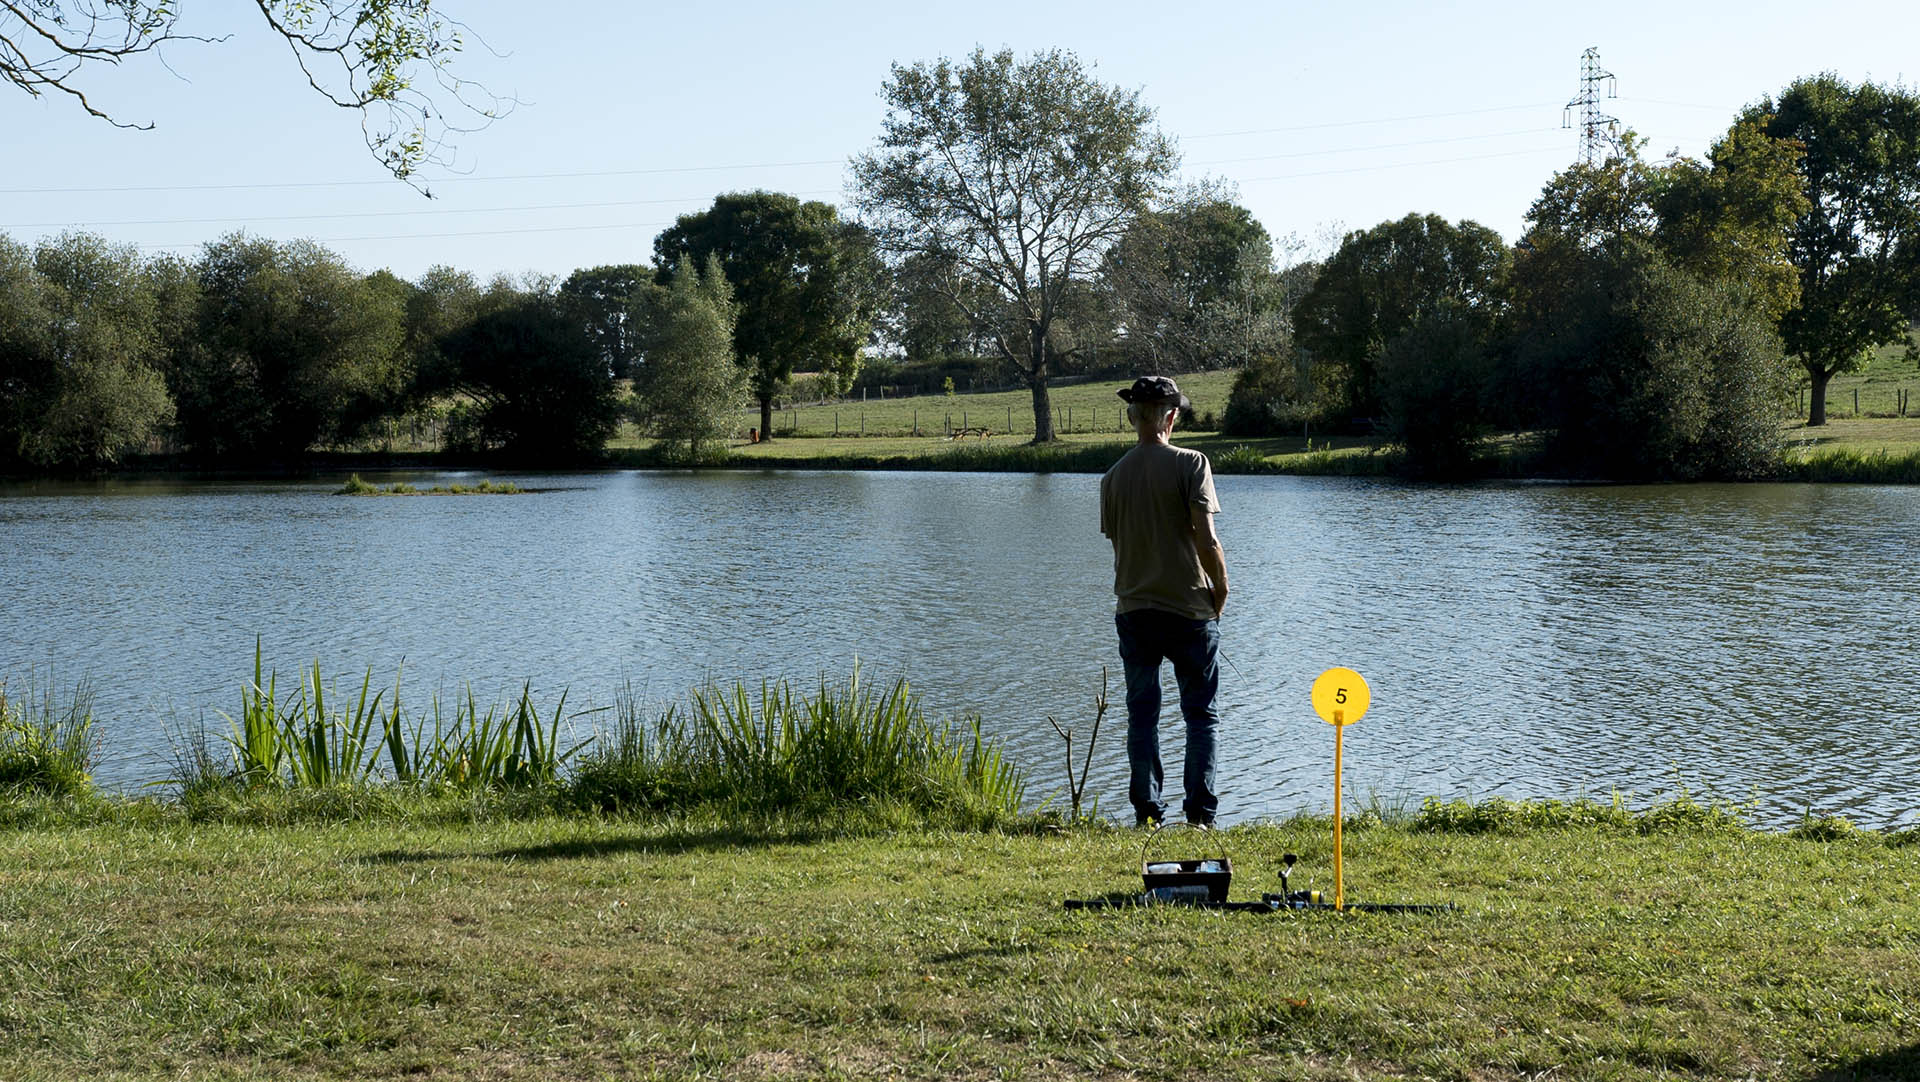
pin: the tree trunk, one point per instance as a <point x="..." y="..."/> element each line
<point x="1817" y="395"/>
<point x="766" y="417"/>
<point x="1037" y="379"/>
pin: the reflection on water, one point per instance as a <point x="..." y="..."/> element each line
<point x="1744" y="641"/>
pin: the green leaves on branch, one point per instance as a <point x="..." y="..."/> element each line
<point x="389" y="60"/>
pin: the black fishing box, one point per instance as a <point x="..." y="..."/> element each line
<point x="1200" y="879"/>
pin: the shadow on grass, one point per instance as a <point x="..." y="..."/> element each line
<point x="1897" y="1065"/>
<point x="670" y="843"/>
<point x="1004" y="950"/>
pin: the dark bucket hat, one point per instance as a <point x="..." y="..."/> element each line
<point x="1153" y="389"/>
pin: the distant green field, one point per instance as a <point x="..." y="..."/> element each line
<point x="1089" y="408"/>
<point x="919" y="431"/>
<point x="1876" y="389"/>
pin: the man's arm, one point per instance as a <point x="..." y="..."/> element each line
<point x="1213" y="558"/>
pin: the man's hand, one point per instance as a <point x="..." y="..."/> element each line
<point x="1213" y="558"/>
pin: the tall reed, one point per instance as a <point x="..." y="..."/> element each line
<point x="45" y="748"/>
<point x="773" y="751"/>
<point x="301" y="741"/>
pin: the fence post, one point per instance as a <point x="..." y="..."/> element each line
<point x="836" y="422"/>
<point x="916" y="421"/>
<point x="863" y="424"/>
<point x="1009" y="420"/>
<point x="1856" y="402"/>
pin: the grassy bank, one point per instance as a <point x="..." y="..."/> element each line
<point x="304" y="749"/>
<point x="1647" y="947"/>
<point x="781" y="885"/>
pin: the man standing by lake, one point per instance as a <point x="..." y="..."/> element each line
<point x="1170" y="578"/>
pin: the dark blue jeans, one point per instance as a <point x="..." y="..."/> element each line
<point x="1148" y="636"/>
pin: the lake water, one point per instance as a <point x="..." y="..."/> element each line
<point x="1748" y="642"/>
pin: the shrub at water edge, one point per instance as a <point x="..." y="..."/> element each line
<point x="46" y="750"/>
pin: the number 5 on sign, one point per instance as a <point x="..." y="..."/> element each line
<point x="1340" y="696"/>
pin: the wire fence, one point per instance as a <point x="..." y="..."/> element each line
<point x="1865" y="401"/>
<point x="858" y="420"/>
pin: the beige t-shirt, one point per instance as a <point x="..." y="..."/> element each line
<point x="1145" y="510"/>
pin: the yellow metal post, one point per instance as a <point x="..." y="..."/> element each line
<point x="1339" y="732"/>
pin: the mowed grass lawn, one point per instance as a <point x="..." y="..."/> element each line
<point x="569" y="949"/>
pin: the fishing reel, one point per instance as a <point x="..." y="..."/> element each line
<point x="1288" y="898"/>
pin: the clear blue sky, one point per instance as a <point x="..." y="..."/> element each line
<point x="1325" y="117"/>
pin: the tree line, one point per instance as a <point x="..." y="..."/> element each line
<point x="257" y="351"/>
<point x="1018" y="218"/>
<point x="1650" y="322"/>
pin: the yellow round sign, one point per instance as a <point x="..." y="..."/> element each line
<point x="1341" y="696"/>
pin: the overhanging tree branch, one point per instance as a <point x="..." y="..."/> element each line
<point x="378" y="52"/>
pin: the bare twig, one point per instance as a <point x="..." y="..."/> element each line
<point x="1077" y="785"/>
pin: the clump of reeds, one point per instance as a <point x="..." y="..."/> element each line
<point x="46" y="749"/>
<point x="356" y="486"/>
<point x="487" y="487"/>
<point x="1843" y="464"/>
<point x="777" y="752"/>
<point x="311" y="738"/>
<point x="1241" y="459"/>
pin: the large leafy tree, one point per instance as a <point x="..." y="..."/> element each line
<point x="390" y="61"/>
<point x="290" y="346"/>
<point x="537" y="384"/>
<point x="691" y="389"/>
<point x="1195" y="287"/>
<point x="1857" y="245"/>
<point x="806" y="285"/>
<point x="1383" y="280"/>
<point x="922" y="320"/>
<point x="1731" y="217"/>
<point x="79" y="386"/>
<point x="1643" y="300"/>
<point x="442" y="301"/>
<point x="608" y="302"/>
<point x="1727" y="219"/>
<point x="1644" y="370"/>
<point x="1016" y="174"/>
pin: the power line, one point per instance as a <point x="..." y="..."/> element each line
<point x="1727" y="109"/>
<point x="660" y="225"/>
<point x="601" y="205"/>
<point x="435" y="236"/>
<point x="1404" y="165"/>
<point x="386" y="213"/>
<point x="1379" y="146"/>
<point x="282" y="185"/>
<point x="1380" y="120"/>
<point x="592" y="174"/>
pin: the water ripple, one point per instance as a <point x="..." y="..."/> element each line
<point x="1750" y="642"/>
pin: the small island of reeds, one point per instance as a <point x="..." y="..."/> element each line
<point x="358" y="486"/>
